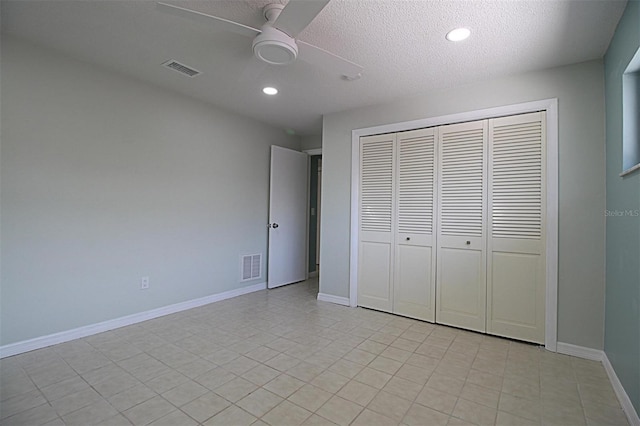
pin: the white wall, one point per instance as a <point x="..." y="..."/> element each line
<point x="105" y="180"/>
<point x="311" y="142"/>
<point x="579" y="89"/>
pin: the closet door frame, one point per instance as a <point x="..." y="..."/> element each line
<point x="551" y="214"/>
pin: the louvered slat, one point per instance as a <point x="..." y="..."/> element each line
<point x="415" y="184"/>
<point x="517" y="180"/>
<point x="462" y="163"/>
<point x="376" y="186"/>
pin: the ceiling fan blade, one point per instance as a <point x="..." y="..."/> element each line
<point x="297" y="14"/>
<point x="334" y="63"/>
<point x="213" y="21"/>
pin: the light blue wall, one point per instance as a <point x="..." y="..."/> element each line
<point x="622" y="311"/>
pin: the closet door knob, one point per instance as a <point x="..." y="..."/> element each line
<point x="468" y="242"/>
<point x="408" y="238"/>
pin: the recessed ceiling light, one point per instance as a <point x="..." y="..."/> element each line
<point x="458" y="34"/>
<point x="270" y="91"/>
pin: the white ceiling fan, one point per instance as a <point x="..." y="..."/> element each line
<point x="275" y="43"/>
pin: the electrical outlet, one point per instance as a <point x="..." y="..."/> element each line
<point x="144" y="283"/>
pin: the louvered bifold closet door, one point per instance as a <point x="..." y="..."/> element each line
<point x="414" y="283"/>
<point x="516" y="246"/>
<point x="376" y="216"/>
<point x="461" y="241"/>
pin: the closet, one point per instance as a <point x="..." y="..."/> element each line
<point x="451" y="225"/>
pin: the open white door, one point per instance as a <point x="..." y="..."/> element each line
<point x="287" y="217"/>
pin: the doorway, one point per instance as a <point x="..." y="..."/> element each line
<point x="315" y="182"/>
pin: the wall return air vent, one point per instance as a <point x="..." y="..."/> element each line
<point x="250" y="267"/>
<point x="181" y="68"/>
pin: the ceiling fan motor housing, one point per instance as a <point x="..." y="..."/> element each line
<point x="274" y="47"/>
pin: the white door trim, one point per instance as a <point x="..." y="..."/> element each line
<point x="548" y="105"/>
<point x="315" y="151"/>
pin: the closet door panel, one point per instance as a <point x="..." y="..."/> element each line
<point x="414" y="278"/>
<point x="516" y="262"/>
<point x="413" y="284"/>
<point x="514" y="288"/>
<point x="376" y="222"/>
<point x="461" y="298"/>
<point x="461" y="238"/>
<point x="374" y="278"/>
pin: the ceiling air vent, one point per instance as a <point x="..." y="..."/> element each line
<point x="181" y="68"/>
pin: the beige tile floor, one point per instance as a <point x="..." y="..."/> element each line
<point x="280" y="357"/>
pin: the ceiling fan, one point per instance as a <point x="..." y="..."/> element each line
<point x="275" y="43"/>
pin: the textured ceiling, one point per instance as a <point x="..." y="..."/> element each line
<point x="401" y="45"/>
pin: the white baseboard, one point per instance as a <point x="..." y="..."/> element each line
<point x="580" y="351"/>
<point x="333" y="299"/>
<point x="598" y="355"/>
<point x="625" y="401"/>
<point x="88" y="330"/>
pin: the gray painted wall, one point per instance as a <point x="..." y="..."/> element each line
<point x="579" y="89"/>
<point x="311" y="142"/>
<point x="105" y="180"/>
<point x="622" y="321"/>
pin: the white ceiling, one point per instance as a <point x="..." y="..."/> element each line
<point x="401" y="45"/>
